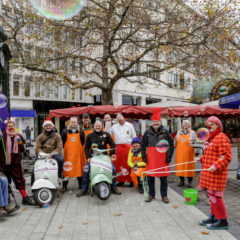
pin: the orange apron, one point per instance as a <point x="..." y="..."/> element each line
<point x="133" y="175"/>
<point x="73" y="156"/>
<point x="184" y="153"/>
<point x="86" y="132"/>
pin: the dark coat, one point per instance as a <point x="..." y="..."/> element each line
<point x="66" y="131"/>
<point x="16" y="158"/>
<point x="151" y="138"/>
<point x="102" y="139"/>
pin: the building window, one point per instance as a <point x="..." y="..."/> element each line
<point x="37" y="89"/>
<point x="152" y="100"/>
<point x="80" y="94"/>
<point x="73" y="94"/>
<point x="129" y="100"/>
<point x="47" y="91"/>
<point x="154" y="75"/>
<point x="133" y="69"/>
<point x="173" y="79"/>
<point x="65" y="92"/>
<point x="27" y="86"/>
<point x="56" y="92"/>
<point x="16" y="85"/>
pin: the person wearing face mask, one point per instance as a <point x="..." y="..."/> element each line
<point x="102" y="139"/>
<point x="217" y="157"/>
<point x="157" y="150"/>
<point x="134" y="162"/>
<point x="50" y="142"/>
<point x="185" y="153"/>
<point x="10" y="163"/>
<point x="123" y="133"/>
<point x="73" y="140"/>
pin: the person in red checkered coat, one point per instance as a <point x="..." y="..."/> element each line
<point x="216" y="158"/>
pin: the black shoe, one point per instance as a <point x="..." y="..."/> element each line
<point x="140" y="190"/>
<point x="130" y="185"/>
<point x="190" y="184"/>
<point x="28" y="201"/>
<point x="181" y="183"/>
<point x="209" y="220"/>
<point x="120" y="184"/>
<point x="221" y="224"/>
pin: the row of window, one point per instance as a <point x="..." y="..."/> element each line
<point x="23" y="86"/>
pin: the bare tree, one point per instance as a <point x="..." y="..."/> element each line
<point x="112" y="40"/>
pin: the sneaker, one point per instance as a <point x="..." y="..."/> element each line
<point x="220" y="224"/>
<point x="116" y="191"/>
<point x="82" y="193"/>
<point x="28" y="201"/>
<point x="209" y="220"/>
<point x="2" y="212"/>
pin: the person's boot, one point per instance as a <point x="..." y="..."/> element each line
<point x="181" y="182"/>
<point x="64" y="189"/>
<point x="210" y="220"/>
<point x="190" y="183"/>
<point x="150" y="198"/>
<point x="82" y="193"/>
<point x="11" y="209"/>
<point x="2" y="212"/>
<point x="165" y="199"/>
<point x="28" y="201"/>
<point x="116" y="191"/>
<point x="221" y="224"/>
<point x="140" y="188"/>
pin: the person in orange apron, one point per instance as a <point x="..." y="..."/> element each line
<point x="157" y="150"/>
<point x="123" y="133"/>
<point x="134" y="162"/>
<point x="185" y="153"/>
<point x="73" y="141"/>
<point x="87" y="129"/>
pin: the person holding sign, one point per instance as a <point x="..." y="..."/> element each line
<point x="157" y="150"/>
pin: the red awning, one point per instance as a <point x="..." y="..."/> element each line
<point x="99" y="111"/>
<point x="144" y="112"/>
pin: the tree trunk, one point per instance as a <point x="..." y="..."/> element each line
<point x="106" y="97"/>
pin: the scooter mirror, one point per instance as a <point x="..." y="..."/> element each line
<point x="94" y="146"/>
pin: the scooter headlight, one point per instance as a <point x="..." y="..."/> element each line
<point x="94" y="146"/>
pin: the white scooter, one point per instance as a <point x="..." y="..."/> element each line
<point x="46" y="181"/>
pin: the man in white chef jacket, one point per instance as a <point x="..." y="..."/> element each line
<point x="123" y="133"/>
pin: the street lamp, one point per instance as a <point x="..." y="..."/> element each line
<point x="5" y="56"/>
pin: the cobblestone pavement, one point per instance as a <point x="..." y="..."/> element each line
<point x="121" y="217"/>
<point x="231" y="198"/>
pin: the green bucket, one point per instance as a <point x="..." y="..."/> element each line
<point x="190" y="196"/>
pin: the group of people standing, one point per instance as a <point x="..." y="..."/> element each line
<point x="132" y="156"/>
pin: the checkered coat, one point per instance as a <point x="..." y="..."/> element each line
<point x="218" y="152"/>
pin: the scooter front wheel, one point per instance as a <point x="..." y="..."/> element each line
<point x="44" y="196"/>
<point x="102" y="190"/>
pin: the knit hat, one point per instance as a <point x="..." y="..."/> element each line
<point x="136" y="140"/>
<point x="9" y="120"/>
<point x="156" y="114"/>
<point x="215" y="120"/>
<point x="85" y="115"/>
<point x="47" y="121"/>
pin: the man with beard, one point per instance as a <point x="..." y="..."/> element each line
<point x="102" y="139"/>
<point x="73" y="141"/>
<point x="157" y="150"/>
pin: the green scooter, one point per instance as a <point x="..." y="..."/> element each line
<point x="100" y="173"/>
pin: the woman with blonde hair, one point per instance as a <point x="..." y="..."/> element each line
<point x="185" y="153"/>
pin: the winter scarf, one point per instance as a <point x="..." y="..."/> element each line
<point x="9" y="148"/>
<point x="213" y="134"/>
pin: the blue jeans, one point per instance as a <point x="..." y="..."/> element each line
<point x="60" y="161"/>
<point x="3" y="191"/>
<point x="163" y="188"/>
<point x="86" y="180"/>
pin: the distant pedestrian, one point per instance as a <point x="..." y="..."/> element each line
<point x="28" y="133"/>
<point x="185" y="153"/>
<point x="216" y="158"/>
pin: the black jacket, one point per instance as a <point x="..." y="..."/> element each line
<point x="151" y="138"/>
<point x="66" y="131"/>
<point x="102" y="139"/>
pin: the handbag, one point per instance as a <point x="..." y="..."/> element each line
<point x="238" y="173"/>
